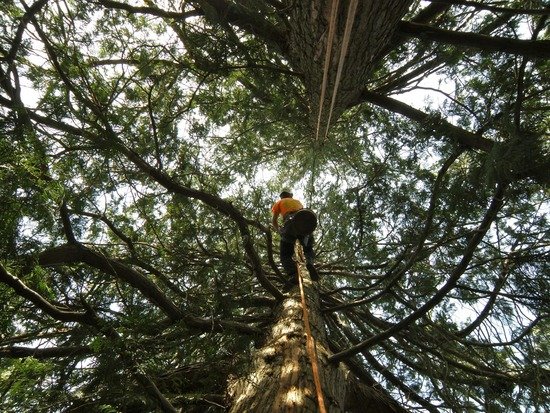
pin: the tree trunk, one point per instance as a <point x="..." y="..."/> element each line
<point x="374" y="24"/>
<point x="281" y="375"/>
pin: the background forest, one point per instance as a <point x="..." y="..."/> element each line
<point x="143" y="143"/>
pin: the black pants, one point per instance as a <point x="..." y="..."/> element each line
<point x="287" y="250"/>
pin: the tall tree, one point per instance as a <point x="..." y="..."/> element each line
<point x="143" y="143"/>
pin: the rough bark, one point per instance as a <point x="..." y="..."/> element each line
<point x="281" y="376"/>
<point x="373" y="28"/>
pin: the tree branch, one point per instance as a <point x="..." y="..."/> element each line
<point x="497" y="9"/>
<point x="520" y="90"/>
<point x="66" y="220"/>
<point x="224" y="207"/>
<point x="71" y="253"/>
<point x="55" y="312"/>
<point x="459" y="269"/>
<point x="531" y="48"/>
<point x="363" y="390"/>
<point x="428" y="13"/>
<point x="145" y="381"/>
<point x="396" y="381"/>
<point x="153" y="11"/>
<point x="397" y="272"/>
<point x="245" y="19"/>
<point x="25" y="19"/>
<point x="436" y="124"/>
<point x="489" y="304"/>
<point x="44" y="353"/>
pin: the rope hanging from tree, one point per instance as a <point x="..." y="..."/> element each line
<point x="343" y="52"/>
<point x="310" y="341"/>
<point x="350" y="18"/>
<point x="328" y="52"/>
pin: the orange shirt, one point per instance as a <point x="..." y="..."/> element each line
<point x="285" y="205"/>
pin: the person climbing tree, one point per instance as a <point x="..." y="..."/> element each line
<point x="298" y="224"/>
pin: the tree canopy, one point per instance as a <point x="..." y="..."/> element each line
<point x="142" y="144"/>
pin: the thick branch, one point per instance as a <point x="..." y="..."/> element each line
<point x="55" y="312"/>
<point x="66" y="221"/>
<point x="71" y="253"/>
<point x="217" y="325"/>
<point x="245" y="19"/>
<point x="531" y="48"/>
<point x="437" y="124"/>
<point x="44" y="353"/>
<point x="16" y="42"/>
<point x="424" y="69"/>
<point x="428" y="13"/>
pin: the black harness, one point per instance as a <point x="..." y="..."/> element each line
<point x="300" y="223"/>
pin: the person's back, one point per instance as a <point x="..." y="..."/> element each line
<point x="286" y="206"/>
<point x="289" y="208"/>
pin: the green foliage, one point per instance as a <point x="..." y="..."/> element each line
<point x="21" y="381"/>
<point x="149" y="150"/>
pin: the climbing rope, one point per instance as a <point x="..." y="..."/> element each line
<point x="311" y="189"/>
<point x="310" y="341"/>
<point x="350" y="18"/>
<point x="328" y="52"/>
<point x="343" y="52"/>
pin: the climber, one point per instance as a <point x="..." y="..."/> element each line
<point x="298" y="224"/>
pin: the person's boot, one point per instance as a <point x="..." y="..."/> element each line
<point x="314" y="275"/>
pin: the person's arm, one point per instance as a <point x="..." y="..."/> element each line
<point x="275" y="221"/>
<point x="276" y="211"/>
